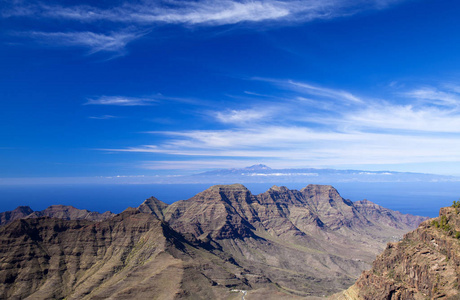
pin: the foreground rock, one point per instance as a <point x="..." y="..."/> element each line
<point x="424" y="265"/>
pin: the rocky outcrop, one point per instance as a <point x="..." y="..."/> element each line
<point x="54" y="211"/>
<point x="18" y="213"/>
<point x="153" y="206"/>
<point x="424" y="265"/>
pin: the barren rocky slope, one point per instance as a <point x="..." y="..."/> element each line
<point x="424" y="265"/>
<point x="281" y="244"/>
<point x="132" y="256"/>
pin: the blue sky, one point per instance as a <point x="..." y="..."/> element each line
<point x="105" y="88"/>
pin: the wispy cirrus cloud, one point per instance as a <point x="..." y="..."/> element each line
<point x="212" y="12"/>
<point x="95" y="42"/>
<point x="431" y="95"/>
<point x="355" y="131"/>
<point x="242" y="117"/>
<point x="108" y="33"/>
<point x="120" y="101"/>
<point x="104" y="117"/>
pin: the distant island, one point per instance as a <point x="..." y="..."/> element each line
<point x="258" y="173"/>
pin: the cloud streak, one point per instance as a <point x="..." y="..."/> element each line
<point x="120" y="101"/>
<point x="95" y="42"/>
<point x="361" y="131"/>
<point x="145" y="15"/>
<point x="215" y="12"/>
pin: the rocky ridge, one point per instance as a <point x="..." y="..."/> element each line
<point x="65" y="212"/>
<point x="424" y="265"/>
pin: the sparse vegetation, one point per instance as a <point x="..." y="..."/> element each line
<point x="456" y="204"/>
<point x="443" y="224"/>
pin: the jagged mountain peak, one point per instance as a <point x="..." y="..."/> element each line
<point x="154" y="206"/>
<point x="278" y="188"/>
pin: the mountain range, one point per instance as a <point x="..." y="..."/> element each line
<point x="223" y="243"/>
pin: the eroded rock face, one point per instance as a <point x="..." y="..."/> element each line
<point x="310" y="241"/>
<point x="424" y="265"/>
<point x="131" y="256"/>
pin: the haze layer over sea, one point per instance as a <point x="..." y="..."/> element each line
<point x="418" y="198"/>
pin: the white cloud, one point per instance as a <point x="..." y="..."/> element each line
<point x="120" y="101"/>
<point x="367" y="132"/>
<point x="434" y="96"/>
<point x="96" y="42"/>
<point x="326" y="92"/>
<point x="143" y="16"/>
<point x="212" y="12"/>
<point x="315" y="148"/>
<point x="398" y="117"/>
<point x="194" y="164"/>
<point x="241" y="117"/>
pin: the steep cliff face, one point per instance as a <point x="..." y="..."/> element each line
<point x="310" y="241"/>
<point x="132" y="256"/>
<point x="424" y="265"/>
<point x="219" y="212"/>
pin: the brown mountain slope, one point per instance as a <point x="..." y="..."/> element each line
<point x="424" y="265"/>
<point x="54" y="211"/>
<point x="309" y="242"/>
<point x="131" y="256"/>
<point x="18" y="213"/>
<point x="153" y="206"/>
<point x="67" y="212"/>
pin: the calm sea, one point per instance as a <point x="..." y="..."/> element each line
<point x="419" y="198"/>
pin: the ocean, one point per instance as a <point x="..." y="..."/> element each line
<point x="418" y="198"/>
